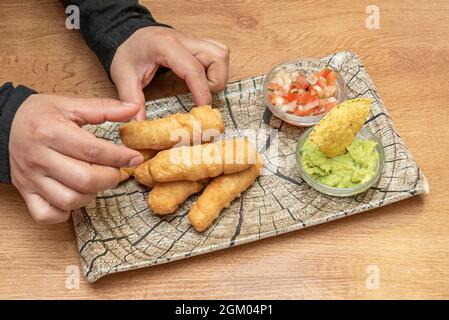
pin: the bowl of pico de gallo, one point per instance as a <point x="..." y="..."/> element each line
<point x="302" y="91"/>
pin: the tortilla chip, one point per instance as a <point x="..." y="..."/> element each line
<point x="339" y="127"/>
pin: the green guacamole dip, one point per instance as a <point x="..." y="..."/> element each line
<point x="357" y="166"/>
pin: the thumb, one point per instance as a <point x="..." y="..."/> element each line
<point x="131" y="91"/>
<point x="99" y="110"/>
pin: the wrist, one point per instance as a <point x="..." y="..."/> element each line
<point x="10" y="100"/>
<point x="126" y="32"/>
<point x="131" y="51"/>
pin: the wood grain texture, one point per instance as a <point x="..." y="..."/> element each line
<point x="407" y="59"/>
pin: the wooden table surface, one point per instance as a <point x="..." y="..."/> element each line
<point x="407" y="242"/>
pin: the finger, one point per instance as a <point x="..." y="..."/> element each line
<point x="99" y="110"/>
<point x="129" y="88"/>
<point x="185" y="66"/>
<point x="133" y="92"/>
<point x="79" y="175"/>
<point x="42" y="211"/>
<point x="61" y="196"/>
<point x="214" y="58"/>
<point x="216" y="70"/>
<point x="219" y="44"/>
<point x="221" y="68"/>
<point x="77" y="143"/>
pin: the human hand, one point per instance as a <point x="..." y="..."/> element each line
<point x="202" y="63"/>
<point x="58" y="166"/>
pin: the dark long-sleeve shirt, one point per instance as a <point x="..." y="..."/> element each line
<point x="105" y="25"/>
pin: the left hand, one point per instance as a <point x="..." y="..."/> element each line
<point x="202" y="63"/>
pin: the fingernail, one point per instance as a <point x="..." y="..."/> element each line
<point x="134" y="162"/>
<point x="129" y="104"/>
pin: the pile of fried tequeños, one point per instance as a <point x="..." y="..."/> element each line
<point x="182" y="157"/>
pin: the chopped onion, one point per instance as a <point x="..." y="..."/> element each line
<point x="291" y="106"/>
<point x="311" y="105"/>
<point x="279" y="101"/>
<point x="310" y="79"/>
<point x="288" y="107"/>
<point x="329" y="91"/>
<point x="317" y="89"/>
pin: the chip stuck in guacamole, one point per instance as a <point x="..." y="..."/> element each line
<point x="357" y="166"/>
<point x="339" y="127"/>
<point x="334" y="155"/>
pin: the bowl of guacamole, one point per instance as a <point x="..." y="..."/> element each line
<point x="347" y="174"/>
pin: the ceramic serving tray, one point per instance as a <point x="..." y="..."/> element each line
<point x="117" y="231"/>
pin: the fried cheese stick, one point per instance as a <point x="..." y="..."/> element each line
<point x="198" y="162"/>
<point x="219" y="193"/>
<point x="142" y="174"/>
<point x="164" y="133"/>
<point x="166" y="197"/>
<point x="126" y="172"/>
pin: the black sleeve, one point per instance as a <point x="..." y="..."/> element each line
<point x="10" y="100"/>
<point x="106" y="24"/>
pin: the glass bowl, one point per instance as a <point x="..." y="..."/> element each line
<point x="364" y="134"/>
<point x="304" y="66"/>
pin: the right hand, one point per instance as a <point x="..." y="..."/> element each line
<point x="202" y="63"/>
<point x="55" y="164"/>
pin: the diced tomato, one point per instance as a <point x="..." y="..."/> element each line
<point x="322" y="84"/>
<point x="301" y="82"/>
<point x="307" y="113"/>
<point x="291" y="96"/>
<point x="316" y="111"/>
<point x="309" y="98"/>
<point x="325" y="72"/>
<point x="331" y="78"/>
